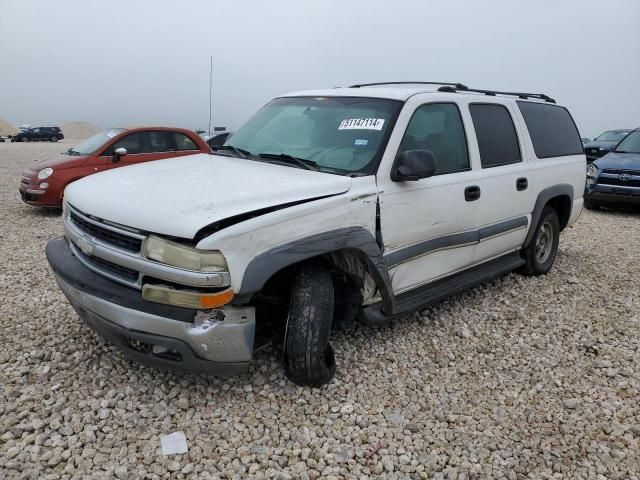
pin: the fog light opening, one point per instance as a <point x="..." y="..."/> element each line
<point x="138" y="345"/>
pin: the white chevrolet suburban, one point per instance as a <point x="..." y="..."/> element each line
<point x="327" y="206"/>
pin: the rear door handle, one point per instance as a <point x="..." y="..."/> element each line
<point x="522" y="184"/>
<point x="472" y="193"/>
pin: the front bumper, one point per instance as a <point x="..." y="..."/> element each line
<point x="613" y="194"/>
<point x="32" y="194"/>
<point x="218" y="342"/>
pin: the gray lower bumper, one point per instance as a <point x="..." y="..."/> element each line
<point x="160" y="336"/>
<point x="213" y="347"/>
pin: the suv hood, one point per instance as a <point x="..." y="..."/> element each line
<point x="180" y="196"/>
<point x="619" y="161"/>
<point x="59" y="162"/>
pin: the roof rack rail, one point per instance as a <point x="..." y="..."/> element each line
<point x="456" y="85"/>
<point x="493" y="93"/>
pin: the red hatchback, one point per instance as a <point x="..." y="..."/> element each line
<point x="43" y="183"/>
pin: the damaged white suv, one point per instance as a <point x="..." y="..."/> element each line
<point x="327" y="206"/>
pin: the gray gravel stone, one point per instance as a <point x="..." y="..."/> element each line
<point x="518" y="379"/>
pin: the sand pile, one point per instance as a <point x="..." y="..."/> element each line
<point x="79" y="130"/>
<point x="7" y="128"/>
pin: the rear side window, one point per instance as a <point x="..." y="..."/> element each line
<point x="553" y="132"/>
<point x="496" y="134"/>
<point x="184" y="143"/>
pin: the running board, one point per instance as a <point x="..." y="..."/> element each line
<point x="427" y="295"/>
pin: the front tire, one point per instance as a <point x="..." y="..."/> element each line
<point x="308" y="356"/>
<point x="53" y="139"/>
<point x="25" y="139"/>
<point x="541" y="252"/>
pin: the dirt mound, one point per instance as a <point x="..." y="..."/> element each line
<point x="79" y="130"/>
<point x="7" y="128"/>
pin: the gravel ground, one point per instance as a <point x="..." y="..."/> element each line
<point x="522" y="378"/>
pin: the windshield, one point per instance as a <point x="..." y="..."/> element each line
<point x="631" y="144"/>
<point x="612" y="136"/>
<point x="93" y="143"/>
<point x="343" y="135"/>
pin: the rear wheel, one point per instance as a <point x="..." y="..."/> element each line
<point x="54" y="139"/>
<point x="309" y="358"/>
<point x="541" y="251"/>
<point x="25" y="139"/>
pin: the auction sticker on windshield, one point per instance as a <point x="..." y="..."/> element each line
<point x="361" y="124"/>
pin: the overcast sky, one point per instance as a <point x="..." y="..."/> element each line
<point x="130" y="62"/>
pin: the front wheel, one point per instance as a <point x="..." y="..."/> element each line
<point x="53" y="139"/>
<point x="308" y="356"/>
<point x="541" y="252"/>
<point x="25" y="139"/>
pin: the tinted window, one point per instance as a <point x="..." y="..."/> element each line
<point x="158" y="142"/>
<point x="438" y="127"/>
<point x="184" y="143"/>
<point x="134" y="143"/>
<point x="496" y="134"/>
<point x="144" y="142"/>
<point x="552" y="130"/>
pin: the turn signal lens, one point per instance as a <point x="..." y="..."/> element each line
<point x="186" y="298"/>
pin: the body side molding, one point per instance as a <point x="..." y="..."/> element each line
<point x="358" y="239"/>
<point x="454" y="240"/>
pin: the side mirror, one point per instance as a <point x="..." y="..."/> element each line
<point x="118" y="154"/>
<point x="413" y="165"/>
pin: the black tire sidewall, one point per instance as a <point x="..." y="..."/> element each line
<point x="548" y="215"/>
<point x="309" y="358"/>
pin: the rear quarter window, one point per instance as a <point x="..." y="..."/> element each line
<point x="552" y="130"/>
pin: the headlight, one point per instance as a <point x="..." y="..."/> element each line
<point x="592" y="170"/>
<point x="45" y="173"/>
<point x="182" y="256"/>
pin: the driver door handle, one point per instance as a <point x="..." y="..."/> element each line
<point x="472" y="193"/>
<point x="521" y="184"/>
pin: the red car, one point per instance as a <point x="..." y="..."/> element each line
<point x="44" y="181"/>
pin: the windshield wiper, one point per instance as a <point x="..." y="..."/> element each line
<point x="238" y="151"/>
<point x="286" y="158"/>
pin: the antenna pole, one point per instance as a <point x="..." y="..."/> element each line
<point x="210" y="90"/>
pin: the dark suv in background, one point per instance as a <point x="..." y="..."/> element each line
<point x="615" y="178"/>
<point x="603" y="143"/>
<point x="35" y="134"/>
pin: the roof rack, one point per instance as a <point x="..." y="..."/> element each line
<point x="493" y="93"/>
<point x="459" y="86"/>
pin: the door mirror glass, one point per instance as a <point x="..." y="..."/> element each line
<point x="118" y="153"/>
<point x="413" y="165"/>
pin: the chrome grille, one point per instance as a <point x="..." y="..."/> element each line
<point x="620" y="178"/>
<point x="106" y="234"/>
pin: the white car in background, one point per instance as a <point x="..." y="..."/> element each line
<point x="365" y="202"/>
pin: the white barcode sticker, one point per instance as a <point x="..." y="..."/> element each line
<point x="361" y="124"/>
